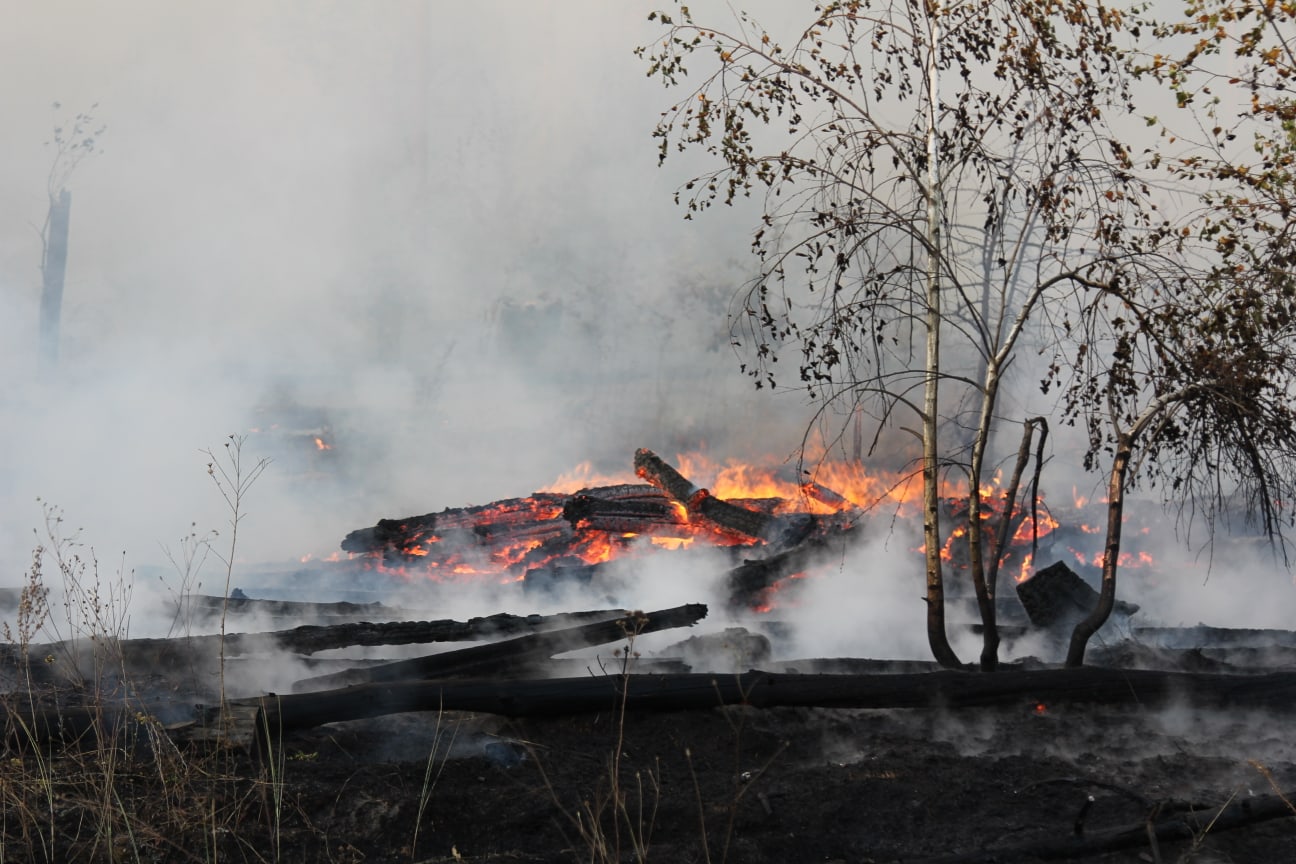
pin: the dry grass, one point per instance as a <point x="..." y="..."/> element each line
<point x="86" y="773"/>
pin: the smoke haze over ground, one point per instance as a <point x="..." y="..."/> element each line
<point x="442" y="234"/>
<point x="434" y="235"/>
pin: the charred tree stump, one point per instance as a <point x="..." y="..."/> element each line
<point x="1056" y="598"/>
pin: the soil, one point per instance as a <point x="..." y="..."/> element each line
<point x="782" y="785"/>
<point x="1023" y="782"/>
<point x="735" y="784"/>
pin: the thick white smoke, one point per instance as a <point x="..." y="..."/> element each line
<point x="434" y="235"/>
<point x="440" y="234"/>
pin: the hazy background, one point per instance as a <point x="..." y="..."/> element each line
<point x="433" y="233"/>
<point x="438" y="228"/>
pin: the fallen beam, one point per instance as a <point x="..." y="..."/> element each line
<point x="944" y="690"/>
<point x="206" y="607"/>
<point x="512" y="654"/>
<point x="491" y="526"/>
<point x="648" y="692"/>
<point x="1202" y="636"/>
<point x="74" y="661"/>
<point x="746" y="581"/>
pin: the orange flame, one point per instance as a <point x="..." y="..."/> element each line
<point x="507" y="539"/>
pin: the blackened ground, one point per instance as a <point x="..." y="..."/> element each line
<point x="785" y="785"/>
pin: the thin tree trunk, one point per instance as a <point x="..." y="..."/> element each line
<point x="1111" y="553"/>
<point x="975" y="527"/>
<point x="1010" y="499"/>
<point x="936" y="635"/>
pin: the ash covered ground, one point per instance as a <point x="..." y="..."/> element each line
<point x="731" y="784"/>
<point x="783" y="785"/>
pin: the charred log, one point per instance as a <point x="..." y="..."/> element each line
<point x="1201" y="636"/>
<point x="1174" y="827"/>
<point x="637" y="508"/>
<point x="563" y="575"/>
<point x="747" y="582"/>
<point x="74" y="661"/>
<point x="203" y="607"/>
<point x="585" y="693"/>
<point x="513" y="654"/>
<point x="816" y="491"/>
<point x="604" y="577"/>
<point x="509" y="520"/>
<point x="944" y="689"/>
<point x="740" y="520"/>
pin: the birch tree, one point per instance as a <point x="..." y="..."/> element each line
<point x="1185" y="382"/>
<point x="934" y="177"/>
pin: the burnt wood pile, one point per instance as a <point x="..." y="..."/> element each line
<point x="549" y="539"/>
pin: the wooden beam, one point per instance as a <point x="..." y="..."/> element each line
<point x="512" y="654"/>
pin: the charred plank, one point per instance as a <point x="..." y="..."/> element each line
<point x="485" y="524"/>
<point x="741" y="520"/>
<point x="943" y="689"/>
<point x="75" y="661"/>
<point x="513" y="654"/>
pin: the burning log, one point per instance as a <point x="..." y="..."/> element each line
<point x="752" y="524"/>
<point x="631" y="508"/>
<point x="519" y="534"/>
<point x="512" y="654"/>
<point x="749" y="580"/>
<point x="531" y="521"/>
<point x="816" y="491"/>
